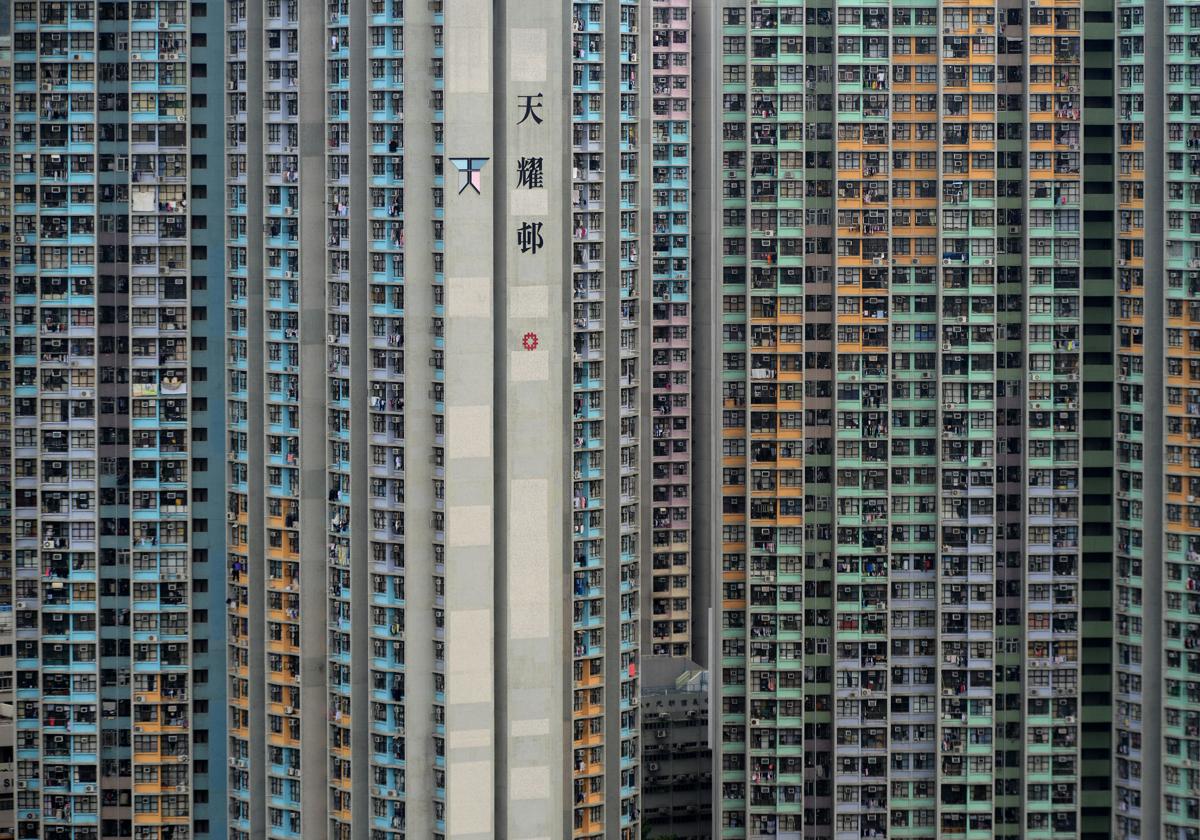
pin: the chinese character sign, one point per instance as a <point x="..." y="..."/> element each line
<point x="529" y="237"/>
<point x="529" y="173"/>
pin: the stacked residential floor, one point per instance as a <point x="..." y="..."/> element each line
<point x="7" y="627"/>
<point x="111" y="481"/>
<point x="670" y="347"/>
<point x="610" y="272"/>
<point x="903" y="184"/>
<point x="437" y="531"/>
<point x="317" y="467"/>
<point x="1157" y="578"/>
<point x="1175" y="647"/>
<point x="762" y="143"/>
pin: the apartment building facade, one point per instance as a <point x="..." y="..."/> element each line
<point x="916" y="390"/>
<point x="458" y="273"/>
<point x="1157" y="335"/>
<point x="8" y="741"/>
<point x="107" y="542"/>
<point x="927" y="545"/>
<point x="676" y="758"/>
<point x="975" y="615"/>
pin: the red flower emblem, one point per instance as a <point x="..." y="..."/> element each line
<point x="530" y="341"/>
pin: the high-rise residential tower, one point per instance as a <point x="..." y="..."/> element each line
<point x="1156" y="590"/>
<point x="671" y="610"/>
<point x="916" y="303"/>
<point x="458" y="279"/>
<point x="370" y="406"/>
<point x="7" y="627"/>
<point x="985" y="227"/>
<point x="108" y="191"/>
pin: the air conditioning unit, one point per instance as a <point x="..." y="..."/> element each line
<point x="22" y="785"/>
<point x="289" y="710"/>
<point x="89" y="788"/>
<point x="162" y="24"/>
<point x="152" y="638"/>
<point x="139" y="698"/>
<point x="293" y="771"/>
